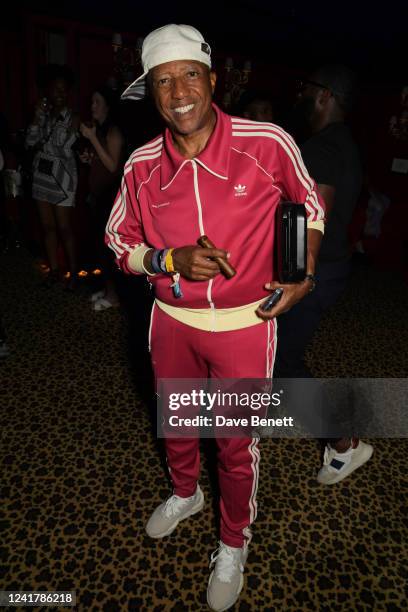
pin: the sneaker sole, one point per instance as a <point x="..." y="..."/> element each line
<point x="241" y="584"/>
<point x="193" y="511"/>
<point x="362" y="459"/>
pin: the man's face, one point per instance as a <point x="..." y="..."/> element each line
<point x="305" y="106"/>
<point x="311" y="104"/>
<point x="59" y="93"/>
<point x="182" y="91"/>
<point x="259" y="110"/>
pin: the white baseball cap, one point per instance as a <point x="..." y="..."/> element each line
<point x="169" y="43"/>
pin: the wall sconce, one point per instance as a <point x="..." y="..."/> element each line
<point x="236" y="81"/>
<point x="126" y="59"/>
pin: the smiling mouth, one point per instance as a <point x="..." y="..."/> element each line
<point x="182" y="110"/>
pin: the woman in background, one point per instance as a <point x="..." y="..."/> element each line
<point x="105" y="156"/>
<point x="51" y="135"/>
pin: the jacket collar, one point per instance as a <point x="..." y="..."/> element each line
<point x="214" y="157"/>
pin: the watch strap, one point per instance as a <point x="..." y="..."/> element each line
<point x="312" y="279"/>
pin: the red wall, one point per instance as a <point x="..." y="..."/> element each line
<point x="89" y="54"/>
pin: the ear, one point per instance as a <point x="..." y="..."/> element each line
<point x="213" y="80"/>
<point x="323" y="98"/>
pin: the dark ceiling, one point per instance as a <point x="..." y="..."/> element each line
<point x="370" y="37"/>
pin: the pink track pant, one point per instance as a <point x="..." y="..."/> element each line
<point x="181" y="351"/>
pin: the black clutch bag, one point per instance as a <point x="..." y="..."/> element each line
<point x="291" y="242"/>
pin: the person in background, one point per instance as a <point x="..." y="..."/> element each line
<point x="257" y="106"/>
<point x="332" y="159"/>
<point x="52" y="134"/>
<point x="105" y="156"/>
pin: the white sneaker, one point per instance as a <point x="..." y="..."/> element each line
<point x="226" y="580"/>
<point x="4" y="351"/>
<point x="167" y="516"/>
<point x="97" y="295"/>
<point x="337" y="466"/>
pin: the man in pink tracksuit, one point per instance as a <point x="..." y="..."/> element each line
<point x="222" y="176"/>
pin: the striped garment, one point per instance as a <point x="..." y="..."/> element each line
<point x="55" y="176"/>
<point x="229" y="192"/>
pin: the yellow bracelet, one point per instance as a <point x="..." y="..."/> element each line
<point x="169" y="261"/>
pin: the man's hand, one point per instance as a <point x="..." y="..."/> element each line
<point x="292" y="293"/>
<point x="193" y="262"/>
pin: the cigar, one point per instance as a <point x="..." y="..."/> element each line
<point x="226" y="269"/>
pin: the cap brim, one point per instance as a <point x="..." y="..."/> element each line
<point x="136" y="90"/>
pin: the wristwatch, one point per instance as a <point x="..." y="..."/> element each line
<point x="312" y="280"/>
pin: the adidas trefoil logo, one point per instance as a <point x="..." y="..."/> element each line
<point x="240" y="190"/>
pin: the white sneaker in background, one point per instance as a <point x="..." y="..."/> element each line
<point x="337" y="466"/>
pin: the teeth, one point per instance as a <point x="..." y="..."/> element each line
<point x="184" y="109"/>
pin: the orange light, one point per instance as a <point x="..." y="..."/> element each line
<point x="67" y="275"/>
<point x="83" y="273"/>
<point x="97" y="272"/>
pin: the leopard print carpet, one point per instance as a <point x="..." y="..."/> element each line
<point x="82" y="469"/>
